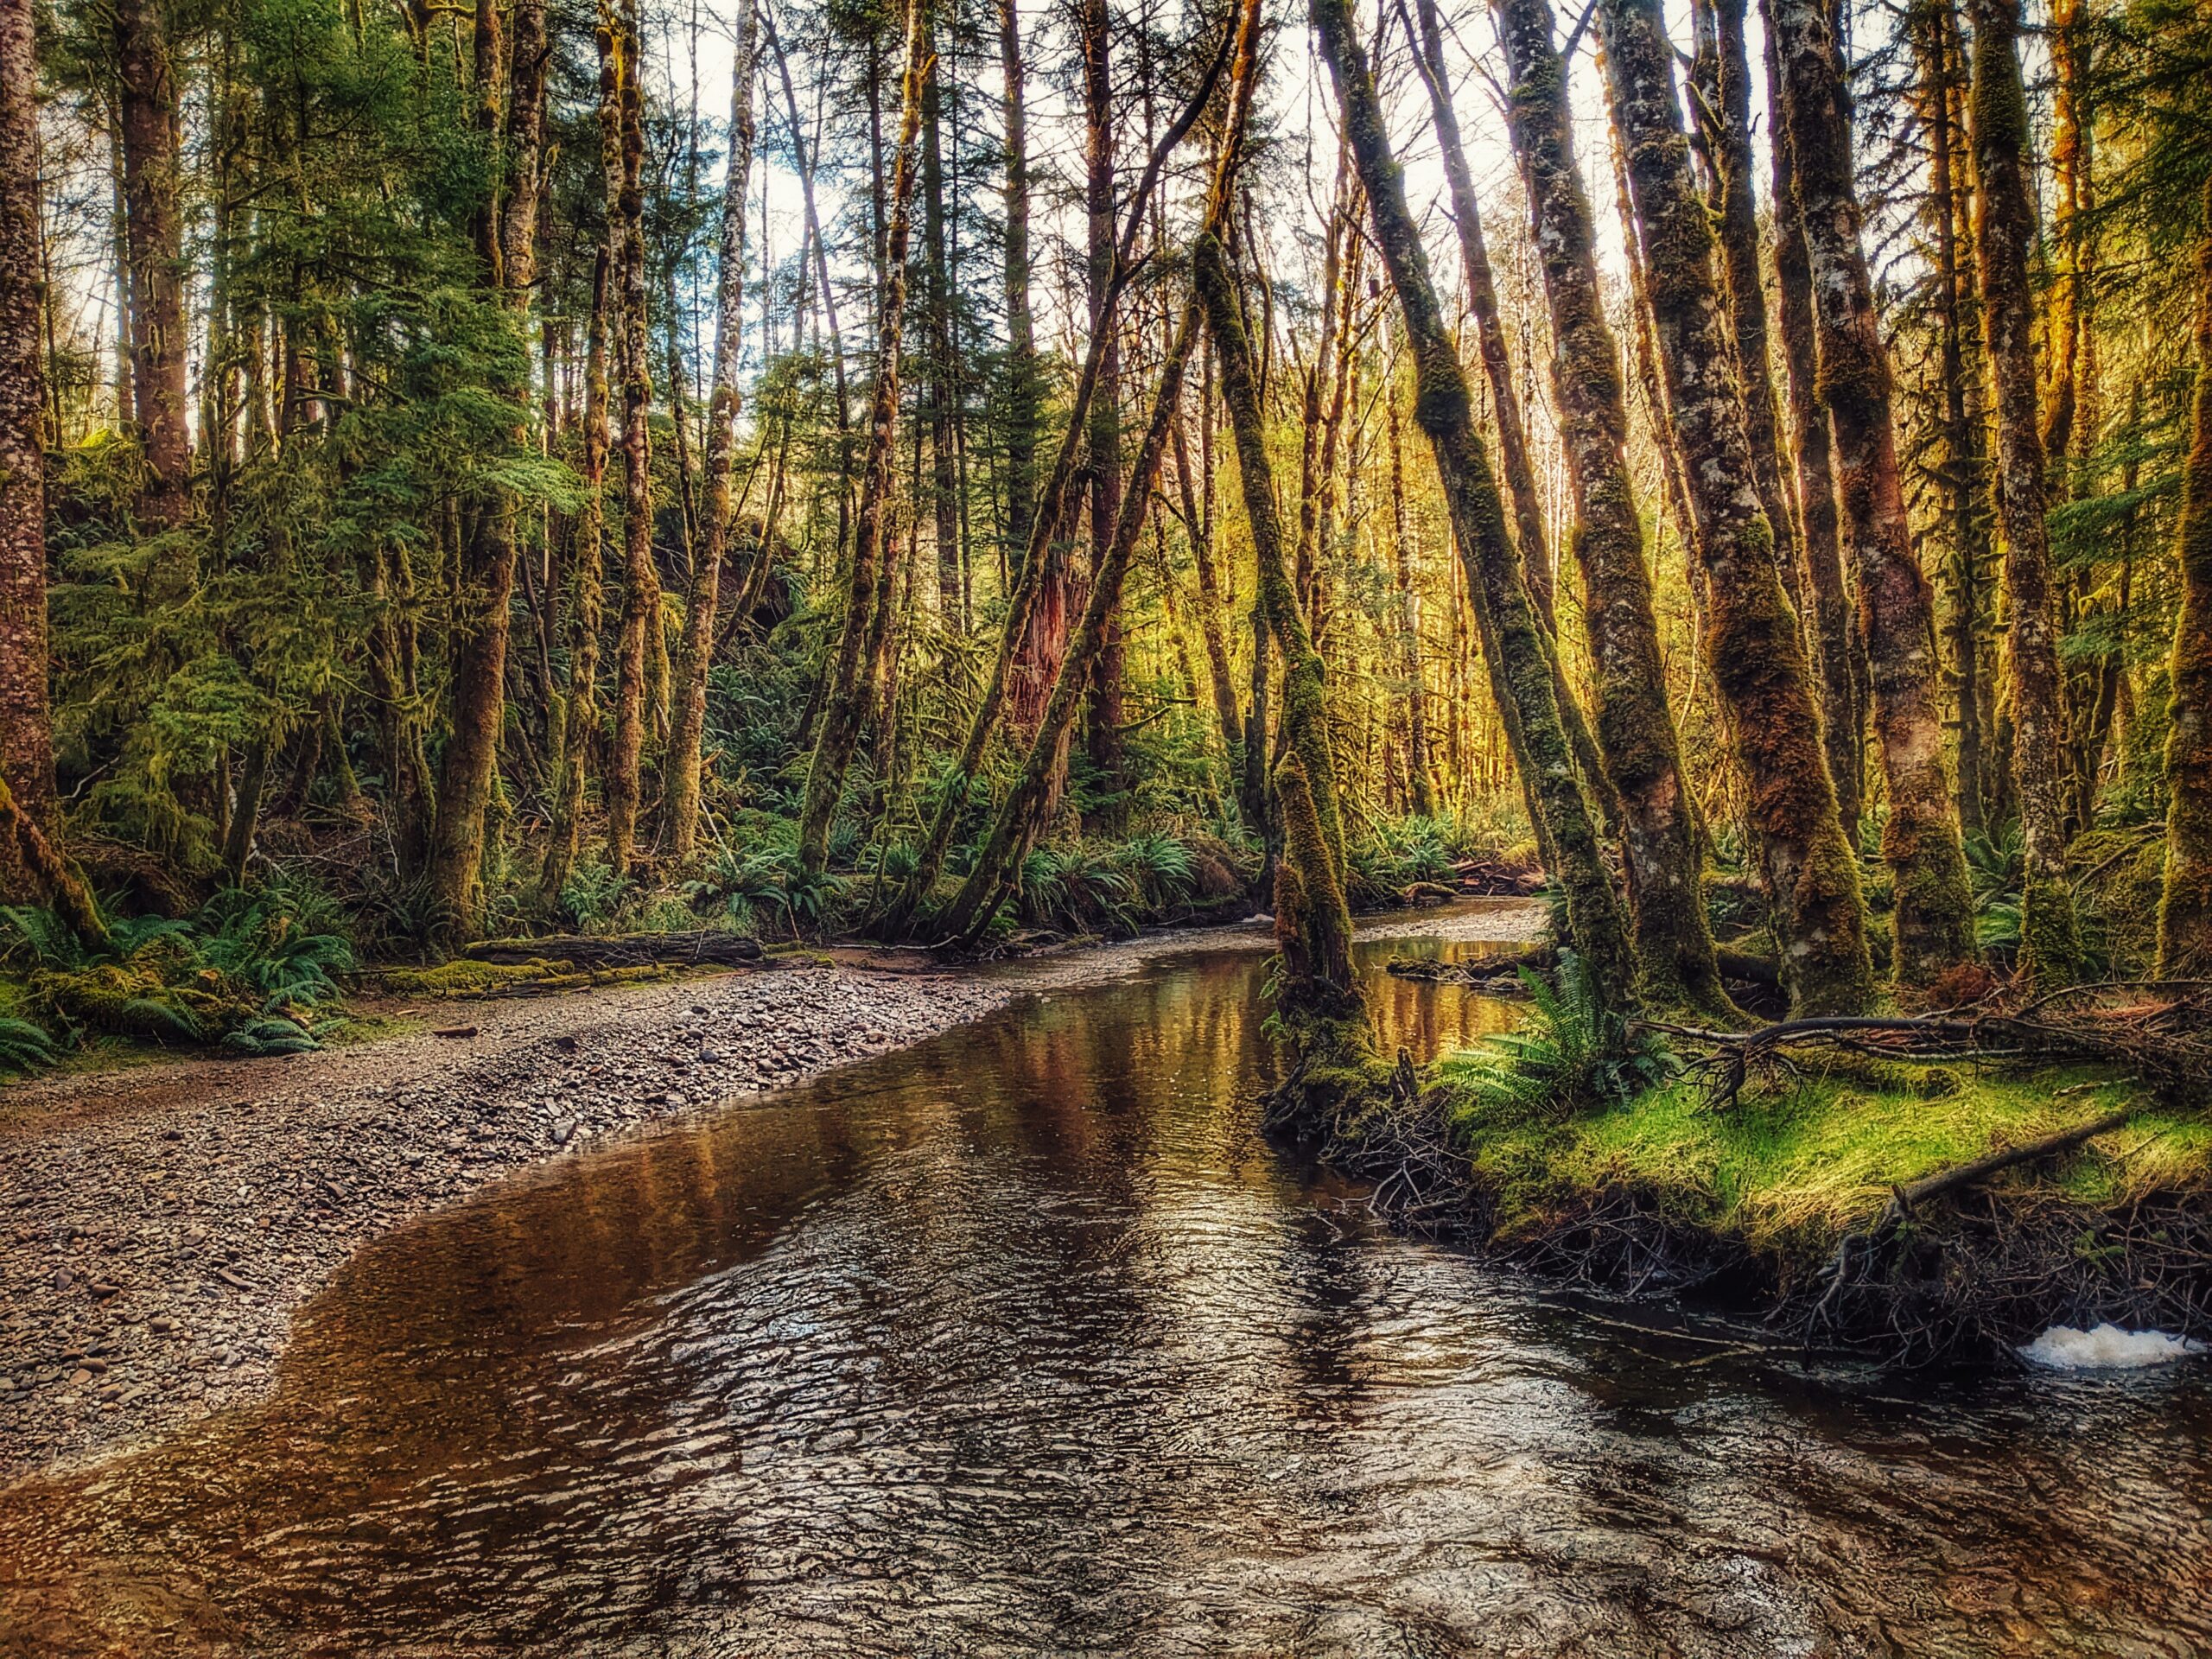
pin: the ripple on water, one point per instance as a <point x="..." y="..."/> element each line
<point x="1024" y="1342"/>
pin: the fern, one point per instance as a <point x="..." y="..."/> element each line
<point x="24" y="1048"/>
<point x="1572" y="1054"/>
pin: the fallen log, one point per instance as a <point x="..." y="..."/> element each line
<point x="700" y="948"/>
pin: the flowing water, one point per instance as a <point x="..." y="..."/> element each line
<point x="1024" y="1342"/>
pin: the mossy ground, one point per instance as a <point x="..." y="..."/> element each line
<point x="1791" y="1166"/>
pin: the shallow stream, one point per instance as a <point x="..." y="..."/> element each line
<point x="1022" y="1341"/>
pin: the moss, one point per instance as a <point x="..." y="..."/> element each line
<point x="1790" y="1168"/>
<point x="463" y="977"/>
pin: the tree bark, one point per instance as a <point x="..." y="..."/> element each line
<point x="587" y="555"/>
<point x="2185" y="910"/>
<point x="1421" y="784"/>
<point x="1021" y="372"/>
<point x="859" y="639"/>
<point x="622" y="148"/>
<point x="510" y="92"/>
<point x="26" y="722"/>
<point x="1934" y="911"/>
<point x="1524" y="670"/>
<point x="1759" y="662"/>
<point x="1635" y="727"/>
<point x="1490" y="328"/>
<point x="944" y="489"/>
<point x="151" y="136"/>
<point x="2006" y="234"/>
<point x="1832" y="630"/>
<point x="680" y="778"/>
<point x="1102" y="738"/>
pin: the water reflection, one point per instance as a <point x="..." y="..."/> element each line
<point x="1023" y="1342"/>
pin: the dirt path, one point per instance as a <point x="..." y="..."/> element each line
<point x="162" y="1226"/>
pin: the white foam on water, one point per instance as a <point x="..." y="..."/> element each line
<point x="2063" y="1348"/>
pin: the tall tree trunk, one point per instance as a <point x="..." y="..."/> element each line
<point x="944" y="489"/>
<point x="1959" y="447"/>
<point x="1021" y="372"/>
<point x="679" y="805"/>
<point x="1759" y="662"/>
<point x="622" y="152"/>
<point x="26" y="725"/>
<point x="2185" y="911"/>
<point x="1490" y="328"/>
<point x="1832" y="630"/>
<point x="1636" y="728"/>
<point x="1103" y="726"/>
<point x="1934" y="911"/>
<point x="858" y="641"/>
<point x="2006" y="232"/>
<point x="1199" y="521"/>
<point x="588" y="556"/>
<point x="1421" y="784"/>
<point x="1524" y="673"/>
<point x="511" y="90"/>
<point x="151" y="136"/>
<point x="1724" y="88"/>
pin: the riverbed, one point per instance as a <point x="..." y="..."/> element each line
<point x="1022" y="1341"/>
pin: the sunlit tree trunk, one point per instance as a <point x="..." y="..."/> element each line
<point x="151" y="139"/>
<point x="1524" y="670"/>
<point x="1920" y="839"/>
<point x="2185" y="912"/>
<point x="2005" y="233"/>
<point x="680" y="771"/>
<point x="1102" y="735"/>
<point x="945" y="488"/>
<point x="1759" y="663"/>
<point x="1635" y="727"/>
<point x="860" y="638"/>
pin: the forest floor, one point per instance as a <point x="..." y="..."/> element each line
<point x="164" y="1223"/>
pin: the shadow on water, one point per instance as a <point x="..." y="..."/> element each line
<point x="1023" y="1341"/>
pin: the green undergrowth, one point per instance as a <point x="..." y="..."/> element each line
<point x="463" y="978"/>
<point x="1793" y="1163"/>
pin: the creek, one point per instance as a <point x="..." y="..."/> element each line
<point x="1023" y="1340"/>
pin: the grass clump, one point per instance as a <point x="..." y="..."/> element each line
<point x="1792" y="1165"/>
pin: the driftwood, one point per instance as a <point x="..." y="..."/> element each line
<point x="702" y="948"/>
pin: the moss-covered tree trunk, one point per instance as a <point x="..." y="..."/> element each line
<point x="511" y="90"/>
<point x="1420" y="783"/>
<point x="149" y="131"/>
<point x="679" y="801"/>
<point x="2004" y="235"/>
<point x="622" y="122"/>
<point x="1482" y="301"/>
<point x="26" y="722"/>
<point x="849" y="681"/>
<point x="1831" y="628"/>
<point x="1020" y="417"/>
<point x="1723" y="81"/>
<point x="2185" y="912"/>
<point x="587" y="557"/>
<point x="1444" y="410"/>
<point x="1934" y="911"/>
<point x="1635" y="727"/>
<point x="1759" y="662"/>
<point x="1200" y="524"/>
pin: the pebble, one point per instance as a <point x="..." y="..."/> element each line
<point x="206" y="1276"/>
